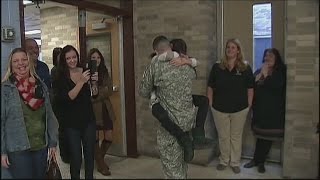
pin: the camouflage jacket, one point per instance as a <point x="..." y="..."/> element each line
<point x="173" y="87"/>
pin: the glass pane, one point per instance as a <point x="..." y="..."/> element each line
<point x="103" y="43"/>
<point x="262" y="32"/>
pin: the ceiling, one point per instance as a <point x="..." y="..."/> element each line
<point x="32" y="17"/>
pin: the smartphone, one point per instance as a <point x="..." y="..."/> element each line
<point x="93" y="66"/>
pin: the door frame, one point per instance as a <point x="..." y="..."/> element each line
<point x="126" y="12"/>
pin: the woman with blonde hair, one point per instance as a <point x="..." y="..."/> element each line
<point x="29" y="128"/>
<point x="230" y="93"/>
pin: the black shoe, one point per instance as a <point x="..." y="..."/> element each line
<point x="250" y="164"/>
<point x="261" y="168"/>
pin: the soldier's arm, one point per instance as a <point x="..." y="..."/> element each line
<point x="146" y="84"/>
<point x="191" y="72"/>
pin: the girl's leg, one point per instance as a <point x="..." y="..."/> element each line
<point x="73" y="137"/>
<point x="88" y="141"/>
<point x="198" y="133"/>
<point x="182" y="137"/>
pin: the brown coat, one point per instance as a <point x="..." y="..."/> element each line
<point x="105" y="90"/>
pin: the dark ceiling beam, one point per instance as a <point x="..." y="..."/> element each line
<point x="96" y="7"/>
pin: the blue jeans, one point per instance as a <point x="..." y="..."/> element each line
<point x="28" y="164"/>
<point x="87" y="137"/>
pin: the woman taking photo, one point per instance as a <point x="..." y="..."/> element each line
<point x="103" y="111"/>
<point x="268" y="105"/>
<point x="29" y="127"/>
<point x="72" y="87"/>
<point x="230" y="93"/>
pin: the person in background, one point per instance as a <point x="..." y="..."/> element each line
<point x="103" y="111"/>
<point x="73" y="93"/>
<point x="173" y="87"/>
<point x="29" y="128"/>
<point x="62" y="142"/>
<point x="41" y="68"/>
<point x="230" y="93"/>
<point x="268" y="105"/>
<point x="55" y="60"/>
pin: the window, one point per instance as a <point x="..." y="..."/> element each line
<point x="262" y="32"/>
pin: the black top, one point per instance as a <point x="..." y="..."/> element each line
<point x="269" y="101"/>
<point x="42" y="71"/>
<point x="75" y="113"/>
<point x="230" y="88"/>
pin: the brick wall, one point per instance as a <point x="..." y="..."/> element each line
<point x="195" y="22"/>
<point x="301" y="148"/>
<point x="59" y="27"/>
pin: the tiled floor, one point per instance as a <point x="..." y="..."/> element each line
<point x="150" y="168"/>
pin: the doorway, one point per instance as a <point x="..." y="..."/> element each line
<point x="58" y="23"/>
<point x="106" y="38"/>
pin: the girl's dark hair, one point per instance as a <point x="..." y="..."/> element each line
<point x="55" y="54"/>
<point x="63" y="69"/>
<point x="102" y="69"/>
<point x="179" y="45"/>
<point x="156" y="42"/>
<point x="279" y="64"/>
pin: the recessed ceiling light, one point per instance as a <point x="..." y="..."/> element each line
<point x="33" y="32"/>
<point x="26" y="2"/>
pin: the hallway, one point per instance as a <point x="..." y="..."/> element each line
<point x="150" y="168"/>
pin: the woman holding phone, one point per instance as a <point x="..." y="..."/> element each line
<point x="103" y="111"/>
<point x="72" y="87"/>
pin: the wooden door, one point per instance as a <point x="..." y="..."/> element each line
<point x="108" y="42"/>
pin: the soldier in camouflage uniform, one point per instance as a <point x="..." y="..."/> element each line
<point x="173" y="88"/>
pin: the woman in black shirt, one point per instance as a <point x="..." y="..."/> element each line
<point x="75" y="108"/>
<point x="230" y="93"/>
<point x="268" y="105"/>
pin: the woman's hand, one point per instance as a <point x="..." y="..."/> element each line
<point x="264" y="70"/>
<point x="177" y="61"/>
<point x="94" y="76"/>
<point x="184" y="56"/>
<point x="181" y="60"/>
<point x="52" y="152"/>
<point x="85" y="76"/>
<point x="5" y="161"/>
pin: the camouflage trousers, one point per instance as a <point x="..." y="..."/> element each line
<point x="171" y="156"/>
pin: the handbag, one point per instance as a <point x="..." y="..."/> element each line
<point x="53" y="170"/>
